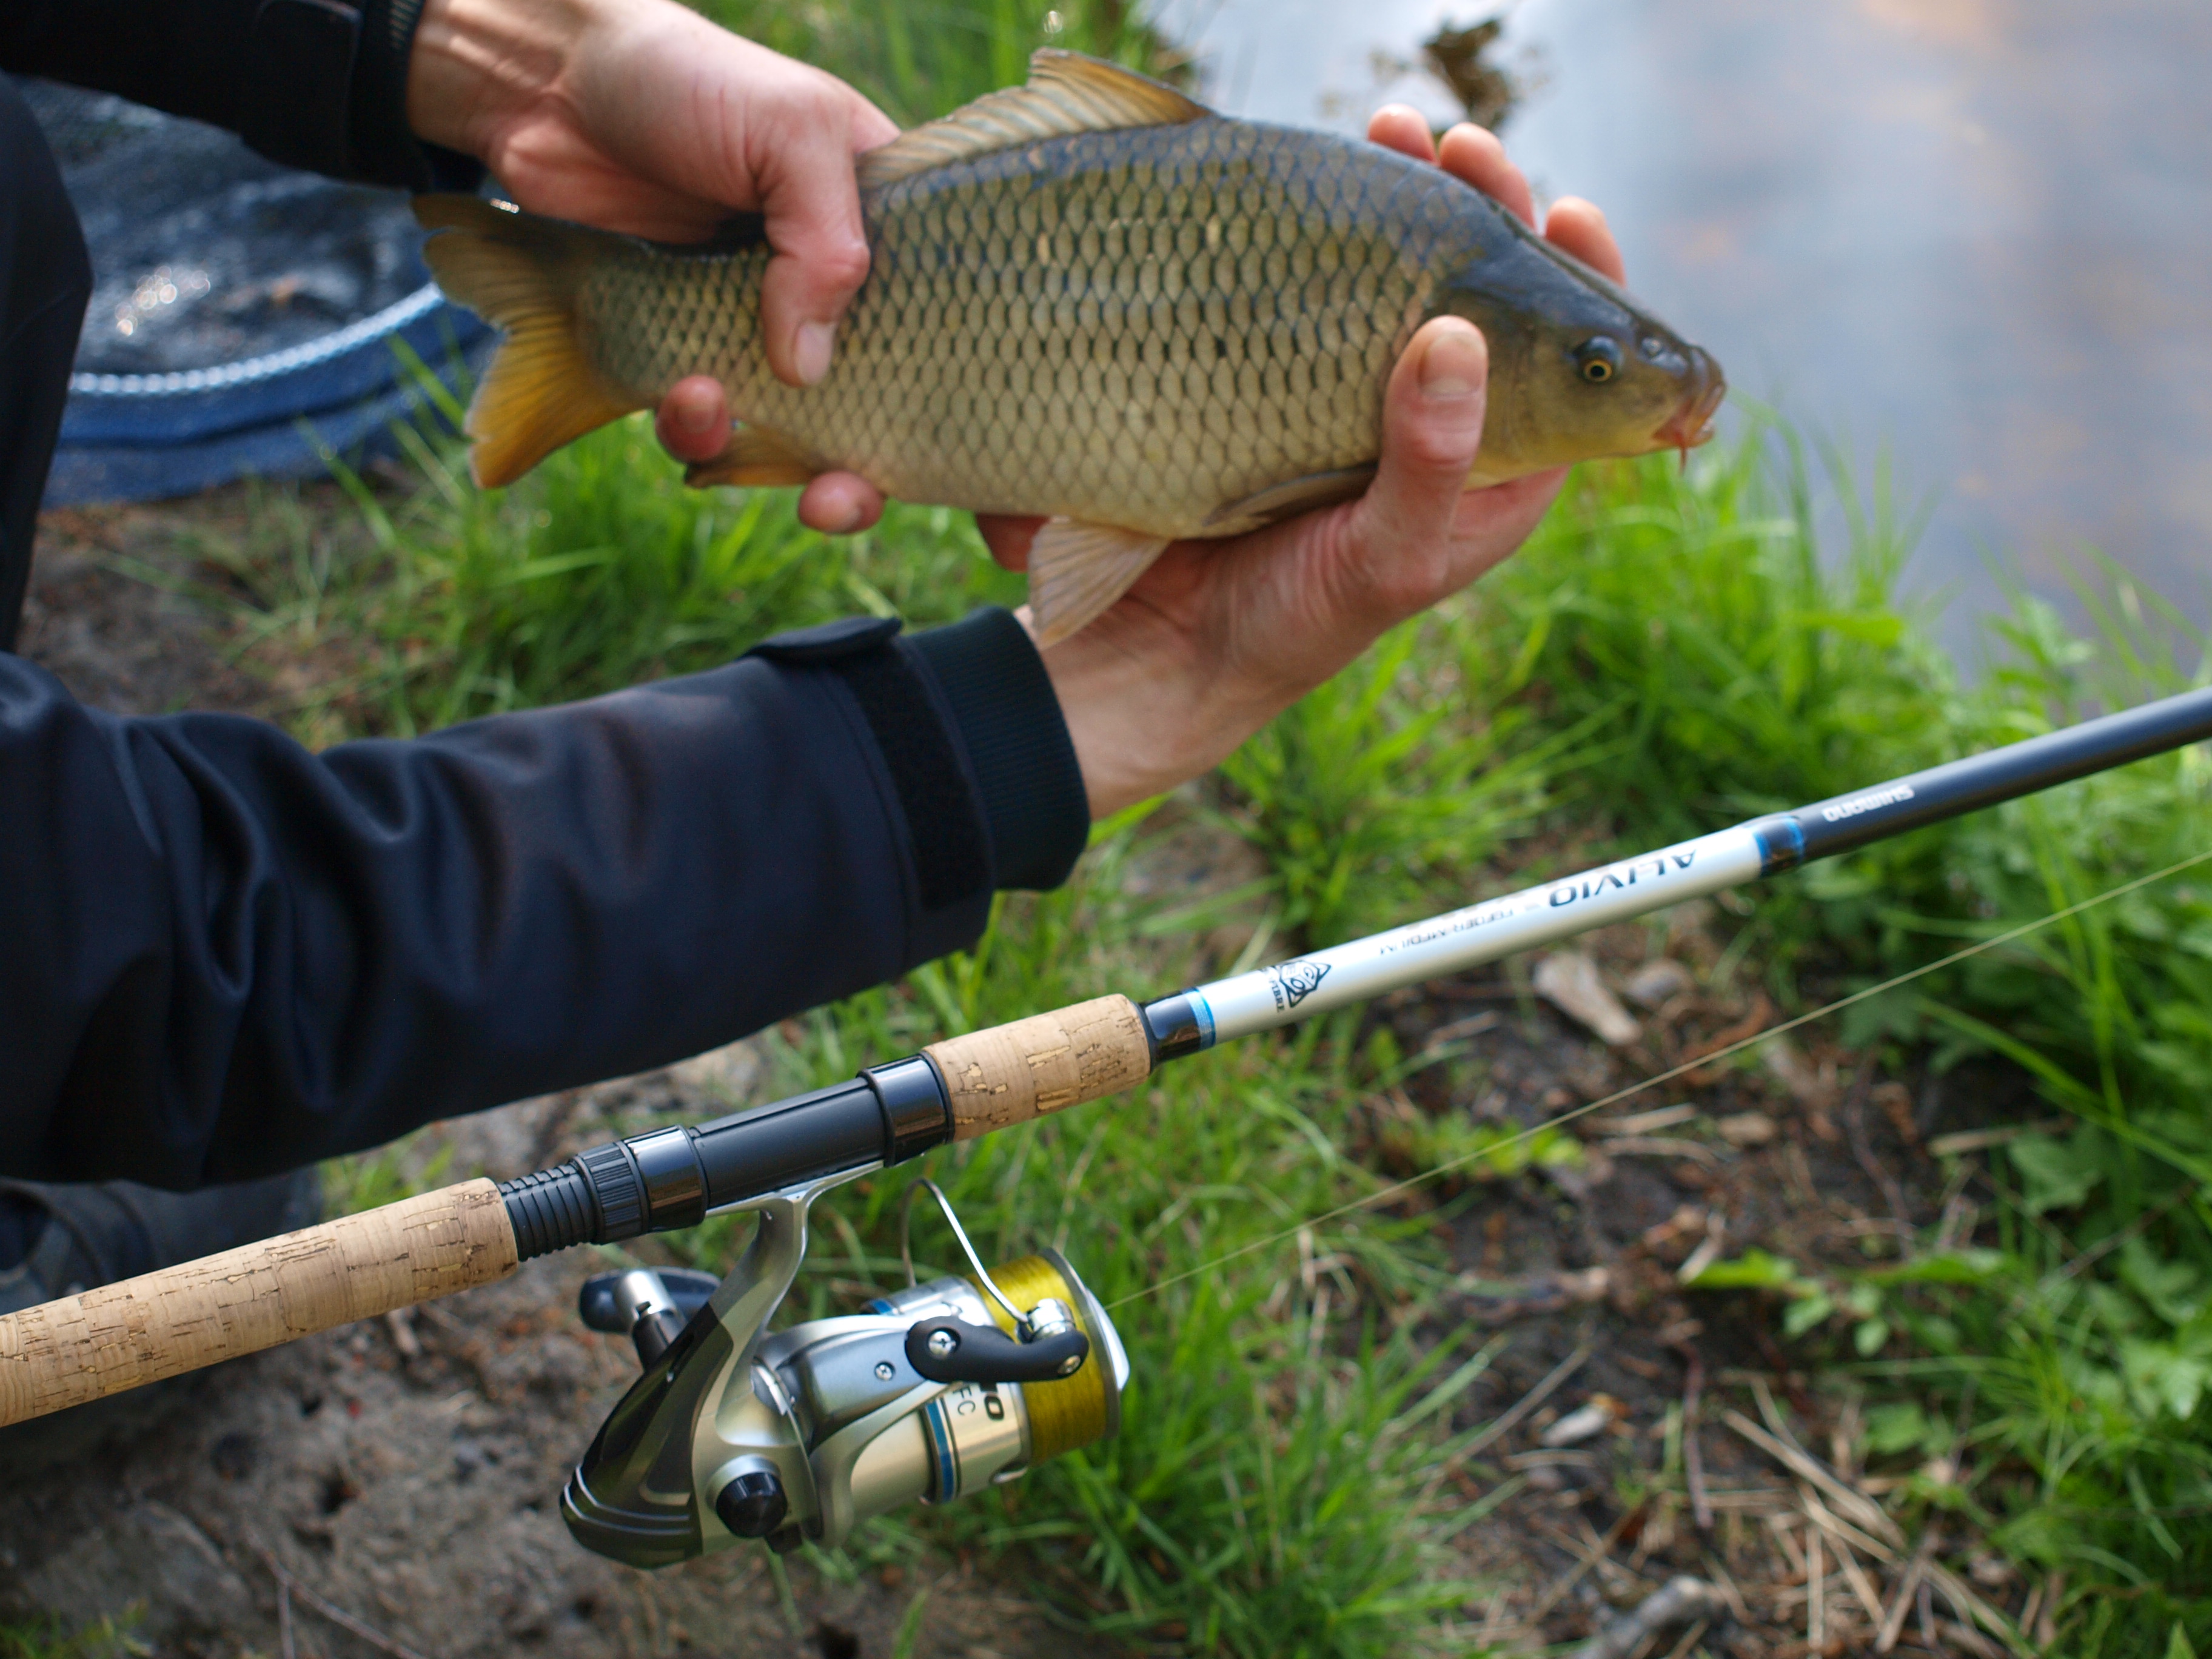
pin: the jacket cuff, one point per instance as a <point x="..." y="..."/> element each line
<point x="1002" y="704"/>
<point x="972" y="742"/>
<point x="325" y="89"/>
<point x="380" y="148"/>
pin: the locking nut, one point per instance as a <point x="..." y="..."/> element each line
<point x="1050" y="1317"/>
<point x="752" y="1502"/>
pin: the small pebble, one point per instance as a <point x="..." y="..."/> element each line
<point x="1747" y="1129"/>
<point x="233" y="1456"/>
<point x="1569" y="981"/>
<point x="1583" y="1423"/>
<point x="1658" y="983"/>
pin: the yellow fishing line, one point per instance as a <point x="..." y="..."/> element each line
<point x="1384" y="1193"/>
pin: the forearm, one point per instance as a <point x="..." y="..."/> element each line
<point x="224" y="956"/>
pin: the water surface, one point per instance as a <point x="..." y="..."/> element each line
<point x="1977" y="231"/>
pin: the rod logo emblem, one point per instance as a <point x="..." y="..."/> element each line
<point x="1296" y="981"/>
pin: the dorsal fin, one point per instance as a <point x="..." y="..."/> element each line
<point x="1068" y="92"/>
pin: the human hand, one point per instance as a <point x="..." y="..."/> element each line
<point x="1219" y="636"/>
<point x="642" y="116"/>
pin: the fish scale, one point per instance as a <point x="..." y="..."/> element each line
<point x="1093" y="301"/>
<point x="1129" y="327"/>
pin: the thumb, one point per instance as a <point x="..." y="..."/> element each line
<point x="1432" y="417"/>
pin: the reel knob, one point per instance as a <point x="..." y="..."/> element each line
<point x="752" y="1504"/>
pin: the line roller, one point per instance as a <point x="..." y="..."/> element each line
<point x="935" y="1390"/>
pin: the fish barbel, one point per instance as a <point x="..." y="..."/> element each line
<point x="1092" y="301"/>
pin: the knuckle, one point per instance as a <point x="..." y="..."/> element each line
<point x="844" y="261"/>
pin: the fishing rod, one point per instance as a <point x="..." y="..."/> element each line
<point x="735" y="1433"/>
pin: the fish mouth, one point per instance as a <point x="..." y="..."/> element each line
<point x="1691" y="424"/>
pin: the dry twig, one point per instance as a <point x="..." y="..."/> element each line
<point x="1693" y="1456"/>
<point x="1816" y="1591"/>
<point x="1892" y="1622"/>
<point x="1528" y="1401"/>
<point x="1861" y="1586"/>
<point x="1862" y="1510"/>
<point x="1971" y="1610"/>
<point x="1592" y="1552"/>
<point x="1675" y="1602"/>
<point x="330" y="1610"/>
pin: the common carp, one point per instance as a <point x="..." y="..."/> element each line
<point x="1092" y="299"/>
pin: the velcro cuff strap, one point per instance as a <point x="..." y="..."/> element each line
<point x="944" y="827"/>
<point x="1009" y="720"/>
<point x="381" y="148"/>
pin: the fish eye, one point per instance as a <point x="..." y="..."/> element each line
<point x="1598" y="360"/>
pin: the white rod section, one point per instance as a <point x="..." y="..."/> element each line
<point x="1450" y="943"/>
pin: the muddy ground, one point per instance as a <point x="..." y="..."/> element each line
<point x="403" y="1475"/>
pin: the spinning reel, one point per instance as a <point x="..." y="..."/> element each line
<point x="931" y="1393"/>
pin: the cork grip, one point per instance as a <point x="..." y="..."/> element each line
<point x="1011" y="1073"/>
<point x="141" y="1330"/>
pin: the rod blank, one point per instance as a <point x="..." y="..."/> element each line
<point x="1535" y="916"/>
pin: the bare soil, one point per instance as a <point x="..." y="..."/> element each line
<point x="1800" y="1149"/>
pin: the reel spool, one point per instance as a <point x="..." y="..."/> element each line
<point x="930" y="1392"/>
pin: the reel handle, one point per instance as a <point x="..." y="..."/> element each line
<point x="950" y="1349"/>
<point x="141" y="1330"/>
<point x="1028" y="1067"/>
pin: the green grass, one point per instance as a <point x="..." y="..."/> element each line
<point x="105" y="1638"/>
<point x="1670" y="653"/>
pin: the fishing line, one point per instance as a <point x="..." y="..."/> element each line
<point x="1385" y="1193"/>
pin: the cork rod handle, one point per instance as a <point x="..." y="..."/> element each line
<point x="1013" y="1072"/>
<point x="141" y="1330"/>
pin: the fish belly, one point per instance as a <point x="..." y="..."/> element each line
<point x="1139" y="328"/>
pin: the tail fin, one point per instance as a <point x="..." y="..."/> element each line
<point x="520" y="273"/>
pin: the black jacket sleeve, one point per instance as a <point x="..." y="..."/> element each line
<point x="320" y="84"/>
<point x="220" y="955"/>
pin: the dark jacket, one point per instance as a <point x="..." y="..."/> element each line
<point x="222" y="956"/>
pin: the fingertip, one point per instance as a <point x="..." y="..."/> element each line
<point x="693" y="420"/>
<point x="1476" y="155"/>
<point x="1433" y="416"/>
<point x="1579" y="227"/>
<point x="1404" y="129"/>
<point x="839" y="504"/>
<point x="1007" y="538"/>
<point x="1455" y="359"/>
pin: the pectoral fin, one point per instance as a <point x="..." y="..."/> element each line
<point x="757" y="458"/>
<point x="1288" y="500"/>
<point x="1078" y="569"/>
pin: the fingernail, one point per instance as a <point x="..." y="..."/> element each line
<point x="695" y="419"/>
<point x="1453" y="365"/>
<point x="811" y="353"/>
